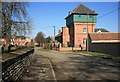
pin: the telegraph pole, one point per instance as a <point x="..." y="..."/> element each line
<point x="54" y="33"/>
<point x="87" y="44"/>
<point x="87" y="32"/>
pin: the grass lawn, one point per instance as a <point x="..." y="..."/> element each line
<point x="115" y="58"/>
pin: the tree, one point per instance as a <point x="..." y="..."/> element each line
<point x="48" y="39"/>
<point x="40" y="38"/>
<point x="14" y="19"/>
<point x="0" y="20"/>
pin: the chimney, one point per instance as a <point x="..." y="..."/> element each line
<point x="69" y="12"/>
<point x="59" y="31"/>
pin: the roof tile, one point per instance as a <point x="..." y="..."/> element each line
<point x="81" y="9"/>
<point x="105" y="36"/>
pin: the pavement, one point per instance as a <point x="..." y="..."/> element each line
<point x="40" y="69"/>
<point x="55" y="65"/>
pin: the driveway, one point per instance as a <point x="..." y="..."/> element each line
<point x="68" y="66"/>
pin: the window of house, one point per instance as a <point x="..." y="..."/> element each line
<point x="84" y="41"/>
<point x="79" y="16"/>
<point x="84" y="30"/>
<point x="90" y="16"/>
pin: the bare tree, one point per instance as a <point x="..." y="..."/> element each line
<point x="40" y="38"/>
<point x="0" y="20"/>
<point x="14" y="19"/>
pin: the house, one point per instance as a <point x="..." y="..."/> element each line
<point x="19" y="40"/>
<point x="80" y="30"/>
<point x="107" y="43"/>
<point x="58" y="37"/>
<point x="79" y="23"/>
<point x="100" y="30"/>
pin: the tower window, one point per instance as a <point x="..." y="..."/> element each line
<point x="90" y="16"/>
<point x="79" y="15"/>
<point x="84" y="30"/>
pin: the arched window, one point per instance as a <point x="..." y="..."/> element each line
<point x="84" y="41"/>
<point x="84" y="30"/>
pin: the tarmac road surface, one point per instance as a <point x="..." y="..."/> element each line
<point x="54" y="65"/>
<point x="68" y="66"/>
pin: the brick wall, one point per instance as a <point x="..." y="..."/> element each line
<point x="68" y="48"/>
<point x="65" y="36"/>
<point x="78" y="32"/>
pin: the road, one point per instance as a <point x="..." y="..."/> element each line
<point x="68" y="66"/>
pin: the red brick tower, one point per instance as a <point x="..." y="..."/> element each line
<point x="80" y="22"/>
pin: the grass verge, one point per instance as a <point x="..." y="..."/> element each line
<point x="91" y="53"/>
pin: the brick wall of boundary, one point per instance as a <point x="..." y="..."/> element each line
<point x="68" y="48"/>
<point x="60" y="48"/>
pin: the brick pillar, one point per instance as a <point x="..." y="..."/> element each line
<point x="65" y="37"/>
<point x="60" y="47"/>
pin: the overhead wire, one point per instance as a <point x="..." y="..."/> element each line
<point x="108" y="13"/>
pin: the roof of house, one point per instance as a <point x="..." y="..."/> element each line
<point x="104" y="36"/>
<point x="81" y="9"/>
<point x="58" y="35"/>
<point x="22" y="37"/>
<point x="101" y="29"/>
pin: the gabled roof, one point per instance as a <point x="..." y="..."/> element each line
<point x="105" y="36"/>
<point x="101" y="29"/>
<point x="58" y="35"/>
<point x="81" y="9"/>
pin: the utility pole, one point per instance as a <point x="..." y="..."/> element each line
<point x="87" y="44"/>
<point x="54" y="33"/>
<point x="87" y="32"/>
